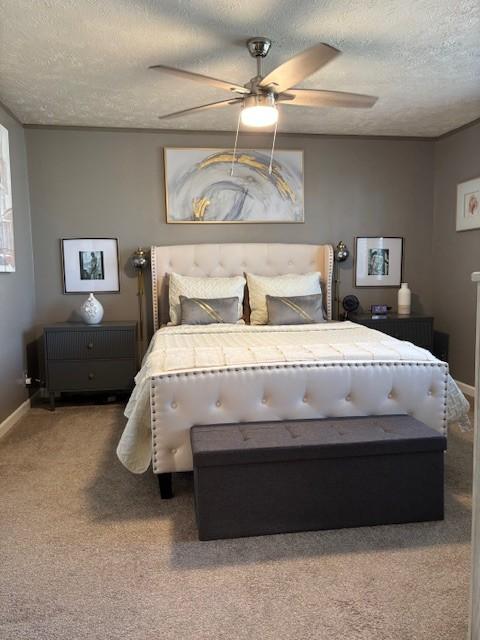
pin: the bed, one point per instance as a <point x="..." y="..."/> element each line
<point x="220" y="374"/>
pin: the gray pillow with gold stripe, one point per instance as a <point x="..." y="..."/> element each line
<point x="208" y="310"/>
<point x="295" y="309"/>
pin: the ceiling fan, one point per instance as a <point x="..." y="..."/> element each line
<point x="260" y="96"/>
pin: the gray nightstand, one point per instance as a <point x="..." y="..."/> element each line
<point x="415" y="328"/>
<point x="81" y="357"/>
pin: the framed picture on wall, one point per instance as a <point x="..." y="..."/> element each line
<point x="7" y="245"/>
<point x="90" y="265"/>
<point x="468" y="205"/>
<point x="378" y="262"/>
<point x="205" y="186"/>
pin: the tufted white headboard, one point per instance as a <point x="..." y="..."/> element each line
<point x="234" y="260"/>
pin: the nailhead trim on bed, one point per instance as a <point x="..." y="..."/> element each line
<point x="153" y="264"/>
<point x="327" y="278"/>
<point x="236" y="369"/>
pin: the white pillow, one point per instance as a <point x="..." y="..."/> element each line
<point x="290" y="284"/>
<point x="195" y="287"/>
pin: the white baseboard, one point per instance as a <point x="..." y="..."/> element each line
<point x="467" y="389"/>
<point x="14" y="417"/>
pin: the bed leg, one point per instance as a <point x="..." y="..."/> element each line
<point x="165" y="485"/>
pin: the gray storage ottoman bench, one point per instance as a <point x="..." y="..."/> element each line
<point x="278" y="477"/>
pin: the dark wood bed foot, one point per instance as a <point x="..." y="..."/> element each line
<point x="165" y="485"/>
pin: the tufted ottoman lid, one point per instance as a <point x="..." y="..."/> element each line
<point x="226" y="444"/>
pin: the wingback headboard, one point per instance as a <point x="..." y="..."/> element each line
<point x="234" y="260"/>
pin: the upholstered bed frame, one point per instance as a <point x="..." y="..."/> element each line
<point x="209" y="260"/>
<point x="286" y="391"/>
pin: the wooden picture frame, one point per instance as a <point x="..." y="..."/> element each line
<point x="218" y="186"/>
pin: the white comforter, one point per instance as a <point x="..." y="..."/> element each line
<point x="199" y="348"/>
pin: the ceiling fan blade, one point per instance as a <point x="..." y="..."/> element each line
<point x="299" y="67"/>
<point x="197" y="77"/>
<point x="203" y="107"/>
<point x="311" y="98"/>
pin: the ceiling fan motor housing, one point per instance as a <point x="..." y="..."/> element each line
<point x="259" y="100"/>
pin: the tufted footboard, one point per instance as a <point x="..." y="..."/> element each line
<point x="289" y="392"/>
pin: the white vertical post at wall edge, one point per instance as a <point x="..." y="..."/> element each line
<point x="474" y="623"/>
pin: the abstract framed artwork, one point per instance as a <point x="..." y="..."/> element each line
<point x="7" y="243"/>
<point x="468" y="205"/>
<point x="215" y="186"/>
<point x="90" y="265"/>
<point x="378" y="261"/>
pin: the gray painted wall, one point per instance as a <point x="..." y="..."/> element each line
<point x="17" y="294"/>
<point x="455" y="254"/>
<point x="110" y="183"/>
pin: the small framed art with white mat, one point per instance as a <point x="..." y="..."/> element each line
<point x="90" y="265"/>
<point x="378" y="262"/>
<point x="468" y="205"/>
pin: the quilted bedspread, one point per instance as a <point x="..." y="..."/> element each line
<point x="186" y="348"/>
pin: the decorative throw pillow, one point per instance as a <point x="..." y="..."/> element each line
<point x="291" y="284"/>
<point x="208" y="310"/>
<point x="195" y="287"/>
<point x="295" y="309"/>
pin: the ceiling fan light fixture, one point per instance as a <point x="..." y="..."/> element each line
<point x="259" y="111"/>
<point x="259" y="116"/>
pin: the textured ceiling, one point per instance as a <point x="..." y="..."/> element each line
<point x="84" y="62"/>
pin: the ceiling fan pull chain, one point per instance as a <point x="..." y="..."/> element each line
<point x="236" y="140"/>
<point x="273" y="147"/>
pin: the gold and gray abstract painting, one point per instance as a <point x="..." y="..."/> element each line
<point x="201" y="187"/>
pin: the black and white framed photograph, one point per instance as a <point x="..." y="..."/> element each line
<point x="90" y="265"/>
<point x="378" y="262"/>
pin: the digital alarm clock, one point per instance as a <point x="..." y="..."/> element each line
<point x="379" y="309"/>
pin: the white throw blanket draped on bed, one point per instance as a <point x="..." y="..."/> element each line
<point x="195" y="348"/>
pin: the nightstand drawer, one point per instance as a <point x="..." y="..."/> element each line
<point x="89" y="344"/>
<point x="81" y="375"/>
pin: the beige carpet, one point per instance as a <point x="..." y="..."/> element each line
<point x="88" y="550"/>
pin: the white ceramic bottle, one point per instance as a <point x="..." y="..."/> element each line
<point x="404" y="300"/>
<point x="91" y="310"/>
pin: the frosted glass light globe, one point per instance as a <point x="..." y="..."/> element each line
<point x="259" y="116"/>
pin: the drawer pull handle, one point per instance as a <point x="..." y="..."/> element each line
<point x="91" y="376"/>
<point x="90" y="345"/>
